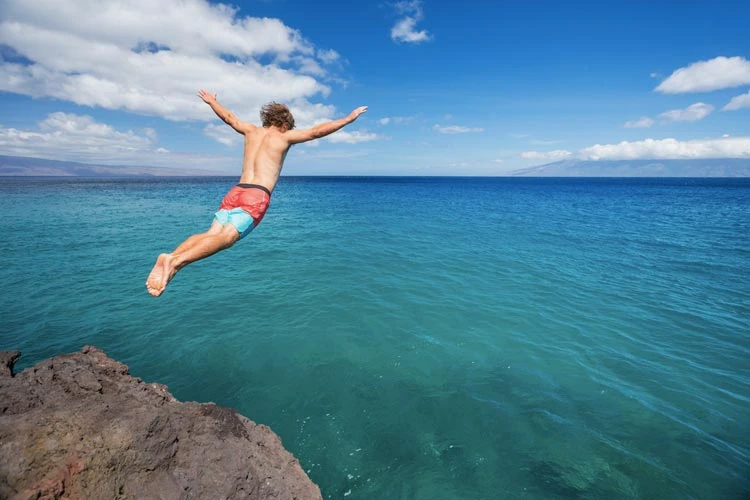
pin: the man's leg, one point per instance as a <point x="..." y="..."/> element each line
<point x="196" y="247"/>
<point x="186" y="245"/>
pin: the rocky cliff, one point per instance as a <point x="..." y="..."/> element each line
<point x="78" y="426"/>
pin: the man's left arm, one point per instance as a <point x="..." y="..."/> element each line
<point x="226" y="115"/>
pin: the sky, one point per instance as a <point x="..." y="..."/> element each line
<point x="453" y="88"/>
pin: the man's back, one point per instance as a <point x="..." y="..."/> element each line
<point x="265" y="152"/>
<point x="266" y="147"/>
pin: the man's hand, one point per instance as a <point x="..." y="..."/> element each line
<point x="207" y="97"/>
<point x="355" y="114"/>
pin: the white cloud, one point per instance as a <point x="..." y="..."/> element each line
<point x="542" y="142"/>
<point x="152" y="57"/>
<point x="80" y="138"/>
<point x="74" y="136"/>
<point x="456" y="129"/>
<point x="654" y="149"/>
<point x="705" y="76"/>
<point x="725" y="147"/>
<point x="223" y="134"/>
<point x="328" y="56"/>
<point x="353" y="137"/>
<point x="738" y="102"/>
<point x="642" y="122"/>
<point x="405" y="28"/>
<point x="692" y="113"/>
<point x="395" y="119"/>
<point x="558" y="154"/>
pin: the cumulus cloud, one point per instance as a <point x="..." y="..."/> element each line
<point x="738" y="102"/>
<point x="80" y="138"/>
<point x="654" y="149"/>
<point x="705" y="76"/>
<point x="642" y="122"/>
<point x="665" y="149"/>
<point x="558" y="154"/>
<point x="405" y="28"/>
<point x="692" y="113"/>
<point x="456" y="129"/>
<point x="151" y="57"/>
<point x="669" y="149"/>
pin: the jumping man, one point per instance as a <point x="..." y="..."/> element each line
<point x="245" y="204"/>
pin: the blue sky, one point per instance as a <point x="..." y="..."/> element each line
<point x="453" y="88"/>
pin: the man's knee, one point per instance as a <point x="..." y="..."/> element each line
<point x="229" y="236"/>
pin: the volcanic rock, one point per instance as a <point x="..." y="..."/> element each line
<point x="78" y="426"/>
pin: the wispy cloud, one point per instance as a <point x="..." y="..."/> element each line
<point x="542" y="142"/>
<point x="456" y="129"/>
<point x="405" y="28"/>
<point x="223" y="134"/>
<point x="151" y="58"/>
<point x="642" y="122"/>
<point x="395" y="119"/>
<point x="353" y="137"/>
<point x="692" y="113"/>
<point x="558" y="154"/>
<point x="705" y="76"/>
<point x="738" y="102"/>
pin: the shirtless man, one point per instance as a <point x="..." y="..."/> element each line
<point x="245" y="204"/>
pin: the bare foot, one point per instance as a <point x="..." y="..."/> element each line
<point x="163" y="271"/>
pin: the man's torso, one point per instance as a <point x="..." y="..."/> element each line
<point x="265" y="152"/>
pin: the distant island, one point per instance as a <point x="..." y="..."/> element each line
<point x="719" y="167"/>
<point x="38" y="167"/>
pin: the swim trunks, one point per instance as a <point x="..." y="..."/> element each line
<point x="244" y="207"/>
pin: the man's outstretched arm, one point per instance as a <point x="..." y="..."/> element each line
<point x="323" y="129"/>
<point x="223" y="113"/>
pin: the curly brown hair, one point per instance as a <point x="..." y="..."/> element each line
<point x="278" y="115"/>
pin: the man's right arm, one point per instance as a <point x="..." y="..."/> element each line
<point x="322" y="129"/>
<point x="223" y="113"/>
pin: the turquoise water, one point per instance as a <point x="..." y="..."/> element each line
<point x="422" y="338"/>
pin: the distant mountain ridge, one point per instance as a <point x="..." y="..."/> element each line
<point x="726" y="167"/>
<point x="36" y="167"/>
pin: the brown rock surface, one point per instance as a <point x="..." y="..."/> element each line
<point x="78" y="426"/>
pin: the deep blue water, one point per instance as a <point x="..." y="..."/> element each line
<point x="422" y="338"/>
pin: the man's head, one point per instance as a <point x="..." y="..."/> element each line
<point x="276" y="115"/>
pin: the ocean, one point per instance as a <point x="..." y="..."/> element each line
<point x="421" y="338"/>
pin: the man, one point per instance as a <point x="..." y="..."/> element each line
<point x="245" y="204"/>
